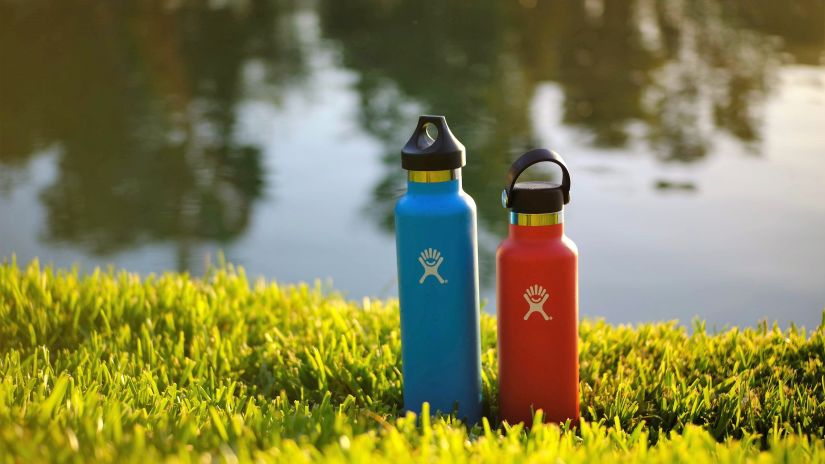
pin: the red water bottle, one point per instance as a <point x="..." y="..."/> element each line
<point x="538" y="300"/>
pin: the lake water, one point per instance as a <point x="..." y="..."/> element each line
<point x="153" y="135"/>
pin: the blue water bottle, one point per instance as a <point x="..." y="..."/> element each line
<point x="436" y="245"/>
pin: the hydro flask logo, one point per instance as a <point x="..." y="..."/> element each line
<point x="431" y="260"/>
<point x="536" y="296"/>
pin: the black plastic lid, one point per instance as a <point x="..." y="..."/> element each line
<point x="536" y="197"/>
<point x="423" y="153"/>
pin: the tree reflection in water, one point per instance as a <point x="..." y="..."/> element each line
<point x="140" y="99"/>
<point x="685" y="70"/>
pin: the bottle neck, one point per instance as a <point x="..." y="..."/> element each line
<point x="536" y="226"/>
<point x="533" y="220"/>
<point x="434" y="181"/>
<point x="433" y="177"/>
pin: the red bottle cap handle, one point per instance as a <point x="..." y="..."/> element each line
<point x="530" y="158"/>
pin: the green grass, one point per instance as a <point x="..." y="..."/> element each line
<point x="113" y="367"/>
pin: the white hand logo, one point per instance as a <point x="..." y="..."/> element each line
<point x="431" y="259"/>
<point x="535" y="296"/>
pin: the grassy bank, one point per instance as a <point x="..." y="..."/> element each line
<point x="114" y="366"/>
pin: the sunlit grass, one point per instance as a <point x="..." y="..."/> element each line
<point x="112" y="366"/>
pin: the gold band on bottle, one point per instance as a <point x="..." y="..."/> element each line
<point x="428" y="177"/>
<point x="543" y="219"/>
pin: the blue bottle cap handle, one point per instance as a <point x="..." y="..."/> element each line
<point x="425" y="153"/>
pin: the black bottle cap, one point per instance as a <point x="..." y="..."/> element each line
<point x="536" y="197"/>
<point x="424" y="152"/>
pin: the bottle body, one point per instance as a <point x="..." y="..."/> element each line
<point x="537" y="296"/>
<point x="436" y="247"/>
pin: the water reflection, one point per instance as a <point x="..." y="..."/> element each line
<point x="252" y="125"/>
<point x="453" y="58"/>
<point x="683" y="71"/>
<point x="141" y="101"/>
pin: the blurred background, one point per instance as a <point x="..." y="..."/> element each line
<point x="152" y="135"/>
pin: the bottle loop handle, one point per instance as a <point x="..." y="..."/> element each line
<point x="528" y="159"/>
<point x="438" y="150"/>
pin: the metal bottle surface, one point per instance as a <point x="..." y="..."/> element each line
<point x="436" y="247"/>
<point x="537" y="296"/>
